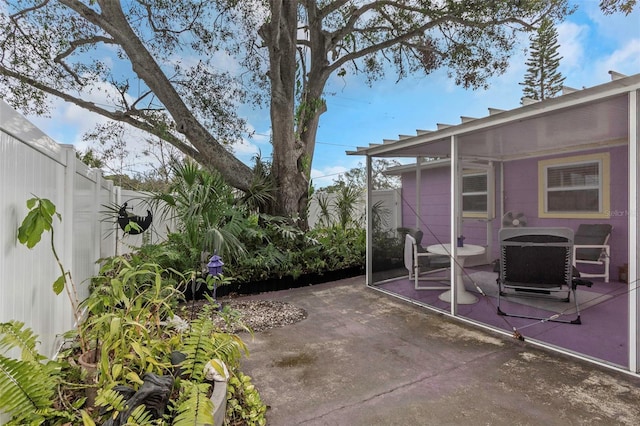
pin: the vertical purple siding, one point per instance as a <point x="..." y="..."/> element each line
<point x="520" y="195"/>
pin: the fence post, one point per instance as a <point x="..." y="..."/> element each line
<point x="117" y="192"/>
<point x="67" y="226"/>
<point x="97" y="229"/>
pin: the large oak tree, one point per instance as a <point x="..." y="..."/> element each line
<point x="156" y="61"/>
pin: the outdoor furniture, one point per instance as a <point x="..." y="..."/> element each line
<point x="463" y="296"/>
<point x="536" y="262"/>
<point x="591" y="247"/>
<point x="415" y="257"/>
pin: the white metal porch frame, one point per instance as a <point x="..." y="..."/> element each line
<point x="456" y="217"/>
<point x="633" y="232"/>
<point x="629" y="87"/>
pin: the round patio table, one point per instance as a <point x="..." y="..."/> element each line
<point x="463" y="296"/>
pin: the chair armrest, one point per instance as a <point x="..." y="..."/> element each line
<point x="603" y="248"/>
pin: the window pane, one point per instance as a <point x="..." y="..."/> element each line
<point x="574" y="186"/>
<point x="572" y="176"/>
<point x="573" y="201"/>
<point x="474" y="203"/>
<point x="474" y="183"/>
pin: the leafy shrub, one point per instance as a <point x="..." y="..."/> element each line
<point x="130" y="326"/>
<point x="342" y="248"/>
<point x="277" y="251"/>
<point x="244" y="405"/>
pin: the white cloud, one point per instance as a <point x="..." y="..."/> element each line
<point x="221" y="61"/>
<point x="597" y="44"/>
<point x="68" y="123"/>
<point x="245" y="148"/>
<point x="625" y="60"/>
<point x="571" y="39"/>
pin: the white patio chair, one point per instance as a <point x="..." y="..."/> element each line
<point x="415" y="257"/>
<point x="591" y="247"/>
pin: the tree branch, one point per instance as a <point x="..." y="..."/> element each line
<point x="128" y="117"/>
<point x="149" y="8"/>
<point x="73" y="45"/>
<point x="28" y="10"/>
<point x="352" y="56"/>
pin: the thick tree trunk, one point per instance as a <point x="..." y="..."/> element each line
<point x="308" y="130"/>
<point x="288" y="151"/>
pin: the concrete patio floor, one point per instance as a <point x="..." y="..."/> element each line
<point x="365" y="358"/>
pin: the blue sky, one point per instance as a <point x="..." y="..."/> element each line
<point x="591" y="44"/>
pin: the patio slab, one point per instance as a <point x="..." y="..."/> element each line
<point x="365" y="358"/>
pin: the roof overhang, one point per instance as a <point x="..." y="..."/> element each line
<point x="581" y="120"/>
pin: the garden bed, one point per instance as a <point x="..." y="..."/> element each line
<point x="275" y="284"/>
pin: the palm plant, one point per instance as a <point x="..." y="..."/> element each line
<point x="346" y="206"/>
<point x="203" y="205"/>
<point x="276" y="247"/>
<point x="261" y="195"/>
<point x="325" y="217"/>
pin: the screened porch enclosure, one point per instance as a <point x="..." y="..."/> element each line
<point x="561" y="162"/>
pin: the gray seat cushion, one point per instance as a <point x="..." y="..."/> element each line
<point x="590" y="234"/>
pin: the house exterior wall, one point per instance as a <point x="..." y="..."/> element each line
<point x="520" y="195"/>
<point x="435" y="206"/>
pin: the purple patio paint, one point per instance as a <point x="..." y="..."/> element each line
<point x="603" y="334"/>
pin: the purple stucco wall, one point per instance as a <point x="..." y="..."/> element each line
<point x="521" y="195"/>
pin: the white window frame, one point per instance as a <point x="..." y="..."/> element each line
<point x="478" y="214"/>
<point x="603" y="162"/>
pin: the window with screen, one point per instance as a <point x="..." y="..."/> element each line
<point x="575" y="186"/>
<point x="474" y="194"/>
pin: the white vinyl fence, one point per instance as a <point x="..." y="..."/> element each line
<point x="32" y="164"/>
<point x="387" y="200"/>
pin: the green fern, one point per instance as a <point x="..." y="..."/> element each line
<point x="111" y="400"/>
<point x="14" y="335"/>
<point x="113" y="403"/>
<point x="196" y="408"/>
<point x="228" y="347"/>
<point x="198" y="348"/>
<point x="26" y="387"/>
<point x="54" y="416"/>
<point x="20" y="390"/>
<point x="140" y="416"/>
